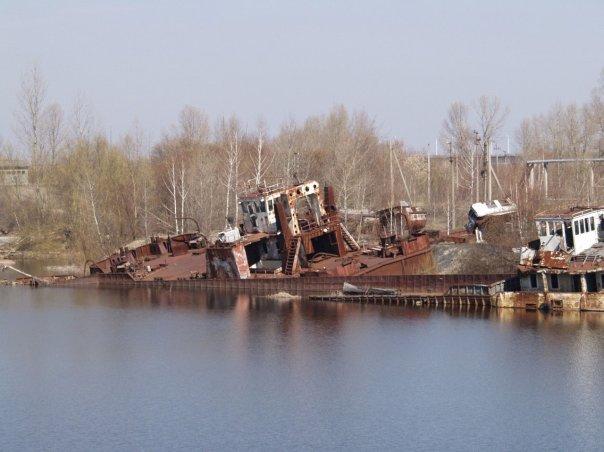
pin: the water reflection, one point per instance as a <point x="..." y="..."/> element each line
<point x="43" y="267"/>
<point x="244" y="305"/>
<point x="159" y="369"/>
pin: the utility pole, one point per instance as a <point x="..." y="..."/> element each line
<point x="592" y="191"/>
<point x="545" y="181"/>
<point x="452" y="162"/>
<point x="390" y="146"/>
<point x="475" y="172"/>
<point x="489" y="172"/>
<point x="486" y="168"/>
<point x="429" y="182"/>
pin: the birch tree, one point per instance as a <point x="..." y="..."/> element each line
<point x="230" y="136"/>
<point x="261" y="159"/>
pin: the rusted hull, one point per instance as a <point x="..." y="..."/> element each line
<point x="415" y="284"/>
<point x="557" y="301"/>
<point x="227" y="262"/>
<point x="420" y="263"/>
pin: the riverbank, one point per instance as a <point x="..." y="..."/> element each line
<point x="36" y="256"/>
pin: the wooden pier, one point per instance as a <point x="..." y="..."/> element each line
<point x="408" y="299"/>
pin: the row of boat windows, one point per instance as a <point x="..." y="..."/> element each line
<point x="554" y="282"/>
<point x="581" y="227"/>
<point x="255" y="207"/>
<point x="585" y="225"/>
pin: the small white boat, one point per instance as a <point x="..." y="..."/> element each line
<point x="350" y="289"/>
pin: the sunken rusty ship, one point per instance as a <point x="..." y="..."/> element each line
<point x="289" y="238"/>
<point x="291" y="231"/>
<point x="562" y="270"/>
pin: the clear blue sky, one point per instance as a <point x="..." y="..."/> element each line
<point x="402" y="61"/>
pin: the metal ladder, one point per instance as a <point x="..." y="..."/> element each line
<point x="349" y="239"/>
<point x="293" y="249"/>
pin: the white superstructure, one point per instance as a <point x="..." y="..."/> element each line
<point x="574" y="230"/>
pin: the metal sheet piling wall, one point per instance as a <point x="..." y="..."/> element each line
<point x="413" y="284"/>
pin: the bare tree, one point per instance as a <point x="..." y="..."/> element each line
<point x="457" y="130"/>
<point x="30" y="111"/>
<point x="170" y="181"/>
<point x="491" y="115"/>
<point x="53" y="127"/>
<point x="136" y="166"/>
<point x="456" y="125"/>
<point x="82" y="120"/>
<point x="194" y="125"/>
<point x="261" y="160"/>
<point x="230" y="136"/>
<point x="287" y="145"/>
<point x="596" y="113"/>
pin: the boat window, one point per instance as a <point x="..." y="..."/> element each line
<point x="262" y="205"/>
<point x="591" y="282"/>
<point x="570" y="243"/>
<point x="554" y="281"/>
<point x="534" y="281"/>
<point x="270" y="205"/>
<point x="250" y="209"/>
<point x="552" y="228"/>
<point x="582" y="224"/>
<point x="593" y="223"/>
<point x="576" y="227"/>
<point x="542" y="228"/>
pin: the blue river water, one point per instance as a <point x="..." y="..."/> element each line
<point x="84" y="369"/>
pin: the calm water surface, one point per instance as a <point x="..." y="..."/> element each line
<point x="134" y="369"/>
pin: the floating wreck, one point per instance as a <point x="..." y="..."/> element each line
<point x="564" y="268"/>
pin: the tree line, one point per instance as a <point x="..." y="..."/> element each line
<point x="99" y="192"/>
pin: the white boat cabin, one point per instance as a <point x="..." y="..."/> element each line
<point x="574" y="230"/>
<point x="303" y="205"/>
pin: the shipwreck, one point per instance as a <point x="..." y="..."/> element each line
<point x="564" y="268"/>
<point x="285" y="232"/>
